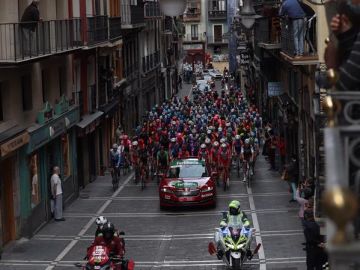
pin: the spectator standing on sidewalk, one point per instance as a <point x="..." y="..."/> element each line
<point x="315" y="244"/>
<point x="292" y="169"/>
<point x="293" y="11"/>
<point x="282" y="151"/>
<point x="57" y="194"/>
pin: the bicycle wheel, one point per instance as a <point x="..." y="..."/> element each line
<point x="248" y="176"/>
<point x="142" y="179"/>
<point x="136" y="176"/>
<point x="238" y="166"/>
<point x="115" y="181"/>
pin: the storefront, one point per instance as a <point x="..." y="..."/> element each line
<point x="52" y="143"/>
<point x="11" y="142"/>
<point x="88" y="148"/>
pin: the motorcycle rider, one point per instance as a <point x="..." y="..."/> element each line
<point x="235" y="215"/>
<point x="108" y="238"/>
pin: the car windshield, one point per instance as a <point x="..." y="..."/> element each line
<point x="187" y="171"/>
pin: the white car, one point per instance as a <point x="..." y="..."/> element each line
<point x="215" y="74"/>
<point x="202" y="85"/>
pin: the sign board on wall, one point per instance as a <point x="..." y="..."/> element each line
<point x="275" y="89"/>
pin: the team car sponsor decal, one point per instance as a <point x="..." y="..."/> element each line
<point x="183" y="184"/>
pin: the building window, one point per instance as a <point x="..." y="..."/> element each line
<point x="62" y="81"/>
<point x="65" y="148"/>
<point x="194" y="31"/>
<point x="1" y="105"/>
<point x="34" y="180"/>
<point x="26" y="89"/>
<point x="218" y="5"/>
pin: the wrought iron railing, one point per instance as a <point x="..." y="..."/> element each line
<point x="115" y="27"/>
<point x="137" y="14"/>
<point x="193" y="37"/>
<point x="152" y="9"/>
<point x="97" y="29"/>
<point x="23" y="41"/>
<point x="216" y="40"/>
<point x="267" y="30"/>
<point x="287" y="37"/>
<point x="217" y="14"/>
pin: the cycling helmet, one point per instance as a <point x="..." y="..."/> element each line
<point x="203" y="146"/>
<point x="223" y="145"/>
<point x="100" y="221"/>
<point x="207" y="141"/>
<point x="220" y="129"/>
<point x="108" y="231"/>
<point x="208" y="131"/>
<point x="247" y="141"/>
<point x="216" y="144"/>
<point x="237" y="137"/>
<point x="173" y="140"/>
<point x="115" y="146"/>
<point x="135" y="143"/>
<point x="234" y="208"/>
<point x="222" y="140"/>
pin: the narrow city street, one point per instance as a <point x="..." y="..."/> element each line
<point x="171" y="239"/>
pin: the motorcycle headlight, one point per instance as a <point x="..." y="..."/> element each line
<point x="229" y="245"/>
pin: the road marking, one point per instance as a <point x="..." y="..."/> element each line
<point x="67" y="249"/>
<point x="256" y="224"/>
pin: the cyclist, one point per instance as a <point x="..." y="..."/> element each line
<point x="162" y="160"/>
<point x="247" y="155"/>
<point x="224" y="161"/>
<point x="134" y="156"/>
<point x="115" y="160"/>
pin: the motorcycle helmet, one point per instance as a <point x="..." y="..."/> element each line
<point x="108" y="231"/>
<point x="234" y="208"/>
<point x="100" y="221"/>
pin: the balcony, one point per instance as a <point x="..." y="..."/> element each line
<point x="152" y="10"/>
<point x="150" y="61"/>
<point x="25" y="41"/>
<point x="216" y="41"/>
<point x="132" y="16"/>
<point x="97" y="29"/>
<point x="310" y="56"/>
<point x="216" y="15"/>
<point x="192" y="15"/>
<point x="188" y="38"/>
<point x="115" y="28"/>
<point x="268" y="33"/>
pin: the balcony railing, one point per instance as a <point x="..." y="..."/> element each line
<point x="288" y="45"/>
<point x="217" y="14"/>
<point x="268" y="33"/>
<point x="115" y="27"/>
<point x="150" y="61"/>
<point x="97" y="29"/>
<point x="152" y="9"/>
<point x="192" y="16"/>
<point x="216" y="40"/>
<point x="24" y="41"/>
<point x="137" y="14"/>
<point x="194" y="38"/>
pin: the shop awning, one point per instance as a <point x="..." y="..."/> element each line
<point x="89" y="119"/>
<point x="12" y="139"/>
<point x="11" y="132"/>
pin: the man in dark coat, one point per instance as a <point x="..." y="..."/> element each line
<point x="29" y="21"/>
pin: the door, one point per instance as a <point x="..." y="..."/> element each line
<point x="7" y="200"/>
<point x="218" y="33"/>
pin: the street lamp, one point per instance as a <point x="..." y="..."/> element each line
<point x="173" y="7"/>
<point x="248" y="14"/>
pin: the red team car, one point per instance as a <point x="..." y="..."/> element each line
<point x="186" y="183"/>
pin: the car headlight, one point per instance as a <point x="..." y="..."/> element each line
<point x="166" y="190"/>
<point x="207" y="189"/>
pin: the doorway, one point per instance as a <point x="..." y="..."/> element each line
<point x="7" y="200"/>
<point x="218" y="33"/>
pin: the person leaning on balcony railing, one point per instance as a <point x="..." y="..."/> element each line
<point x="345" y="59"/>
<point x="293" y="11"/>
<point x="29" y="21"/>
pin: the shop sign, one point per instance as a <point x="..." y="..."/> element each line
<point x="14" y="144"/>
<point x="244" y="59"/>
<point x="275" y="89"/>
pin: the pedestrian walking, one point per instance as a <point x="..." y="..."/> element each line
<point x="292" y="170"/>
<point x="57" y="194"/>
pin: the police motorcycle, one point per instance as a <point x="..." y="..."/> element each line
<point x="232" y="244"/>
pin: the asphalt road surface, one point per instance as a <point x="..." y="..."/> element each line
<point x="171" y="239"/>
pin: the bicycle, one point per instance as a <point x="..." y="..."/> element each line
<point x="160" y="172"/>
<point x="238" y="163"/>
<point x="143" y="176"/>
<point x="247" y="172"/>
<point x="224" y="171"/>
<point x="115" y="177"/>
<point x="215" y="170"/>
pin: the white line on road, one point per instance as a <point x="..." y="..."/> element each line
<point x="256" y="224"/>
<point x="67" y="249"/>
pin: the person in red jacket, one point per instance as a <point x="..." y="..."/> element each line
<point x="107" y="238"/>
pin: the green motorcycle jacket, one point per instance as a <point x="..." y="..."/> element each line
<point x="235" y="219"/>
